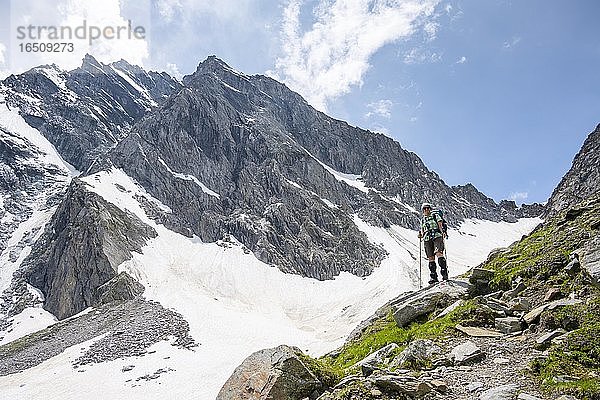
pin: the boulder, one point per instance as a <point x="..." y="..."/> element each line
<point x="466" y="353"/>
<point x="403" y="384"/>
<point x="590" y="257"/>
<point x="504" y="392"/>
<point x="534" y="314"/>
<point x="481" y="274"/>
<point x="499" y="307"/>
<point x="546" y="339"/>
<point x="480" y="280"/>
<point x="417" y="353"/>
<point x="439" y="385"/>
<point x="280" y="373"/>
<point x="508" y="324"/>
<point x="121" y="287"/>
<point x="413" y="306"/>
<point x="574" y="266"/>
<point x="553" y="294"/>
<point x="515" y="291"/>
<point x="372" y="361"/>
<point x="418" y="307"/>
<point x="520" y="304"/>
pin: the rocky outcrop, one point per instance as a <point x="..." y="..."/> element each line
<point x="582" y="181"/>
<point x="281" y="373"/>
<point x="121" y="287"/>
<point x="80" y="250"/>
<point x="86" y="111"/>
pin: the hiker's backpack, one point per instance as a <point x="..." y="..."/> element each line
<point x="440" y="213"/>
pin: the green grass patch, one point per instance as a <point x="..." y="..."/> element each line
<point x="324" y="372"/>
<point x="542" y="255"/>
<point x="578" y="356"/>
<point x="385" y="331"/>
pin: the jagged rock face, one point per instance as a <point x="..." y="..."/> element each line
<point x="23" y="181"/>
<point x="223" y="173"/>
<point x="83" y="113"/>
<point x="86" y="111"/>
<point x="80" y="250"/>
<point x="244" y="155"/>
<point x="583" y="179"/>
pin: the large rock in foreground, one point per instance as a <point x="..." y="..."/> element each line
<point x="281" y="373"/>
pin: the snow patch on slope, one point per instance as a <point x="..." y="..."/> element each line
<point x="236" y="304"/>
<point x="11" y="120"/>
<point x="192" y="178"/>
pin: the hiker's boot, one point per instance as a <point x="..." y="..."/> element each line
<point x="443" y="267"/>
<point x="432" y="273"/>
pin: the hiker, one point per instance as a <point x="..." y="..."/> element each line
<point x="432" y="233"/>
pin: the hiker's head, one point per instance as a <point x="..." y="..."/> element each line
<point x="426" y="208"/>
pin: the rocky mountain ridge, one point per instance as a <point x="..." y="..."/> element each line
<point x="583" y="178"/>
<point x="284" y="179"/>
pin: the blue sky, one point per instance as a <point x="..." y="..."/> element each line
<point x="497" y="93"/>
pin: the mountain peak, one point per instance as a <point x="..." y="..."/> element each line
<point x="89" y="63"/>
<point x="213" y="64"/>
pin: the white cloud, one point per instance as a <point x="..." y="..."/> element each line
<point x="511" y="43"/>
<point x="173" y="70"/>
<point x="431" y="29"/>
<point x="421" y="55"/>
<point x="381" y="108"/>
<point x="462" y="60"/>
<point x="69" y="13"/>
<point x="330" y="57"/>
<point x="518" y="197"/>
<point x="3" y="71"/>
<point x="2" y="51"/>
<point x="168" y="8"/>
<point x="174" y="10"/>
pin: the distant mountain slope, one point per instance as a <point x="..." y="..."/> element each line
<point x="582" y="180"/>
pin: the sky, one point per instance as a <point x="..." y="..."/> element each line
<point x="497" y="93"/>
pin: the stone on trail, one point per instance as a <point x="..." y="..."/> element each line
<point x="547" y="338"/>
<point x="508" y="324"/>
<point x="477" y="331"/>
<point x="525" y="396"/>
<point x="504" y="392"/>
<point x="417" y="352"/>
<point x="466" y="353"/>
<point x="370" y="362"/>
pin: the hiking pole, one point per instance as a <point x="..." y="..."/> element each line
<point x="420" y="268"/>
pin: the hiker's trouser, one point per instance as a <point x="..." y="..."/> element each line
<point x="434" y="246"/>
<point x="431" y="247"/>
